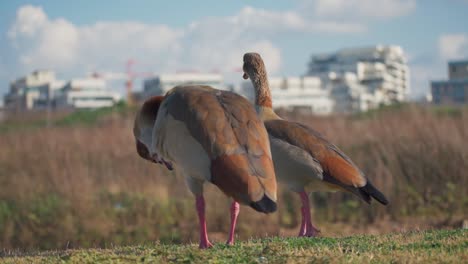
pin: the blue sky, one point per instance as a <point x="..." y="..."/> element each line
<point x="75" y="38"/>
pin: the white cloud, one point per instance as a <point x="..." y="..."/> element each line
<point x="269" y="21"/>
<point x="204" y="45"/>
<point x="453" y="46"/>
<point x="58" y="44"/>
<point x="339" y="27"/>
<point x="360" y="9"/>
<point x="28" y="20"/>
<point x="215" y="43"/>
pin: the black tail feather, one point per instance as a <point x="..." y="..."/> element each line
<point x="369" y="191"/>
<point x="265" y="205"/>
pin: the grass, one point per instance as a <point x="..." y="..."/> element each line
<point x="86" y="117"/>
<point x="435" y="246"/>
<point x="91" y="117"/>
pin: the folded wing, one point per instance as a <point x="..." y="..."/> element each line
<point x="235" y="139"/>
<point x="338" y="169"/>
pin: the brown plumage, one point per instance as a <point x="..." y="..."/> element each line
<point x="303" y="159"/>
<point x="211" y="135"/>
<point x="337" y="168"/>
<point x="235" y="139"/>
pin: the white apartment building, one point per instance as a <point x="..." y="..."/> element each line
<point x="41" y="90"/>
<point x="383" y="70"/>
<point x="304" y="93"/>
<point x="295" y="93"/>
<point x="331" y="93"/>
<point x="33" y="91"/>
<point x="86" y="93"/>
<point x="162" y="83"/>
<point x="347" y="93"/>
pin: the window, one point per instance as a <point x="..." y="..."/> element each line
<point x="459" y="93"/>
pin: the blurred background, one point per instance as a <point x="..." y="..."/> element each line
<point x="385" y="80"/>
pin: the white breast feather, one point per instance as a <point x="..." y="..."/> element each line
<point x="173" y="142"/>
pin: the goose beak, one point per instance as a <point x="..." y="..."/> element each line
<point x="245" y="76"/>
<point x="156" y="159"/>
<point x="168" y="165"/>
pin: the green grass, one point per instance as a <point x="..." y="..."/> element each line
<point x="86" y="117"/>
<point x="91" y="117"/>
<point x="436" y="246"/>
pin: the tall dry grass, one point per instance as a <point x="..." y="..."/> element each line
<point x="81" y="186"/>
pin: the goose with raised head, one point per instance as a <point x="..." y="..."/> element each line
<point x="303" y="159"/>
<point x="209" y="135"/>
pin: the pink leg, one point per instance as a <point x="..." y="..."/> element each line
<point x="310" y="229"/>
<point x="200" y="204"/>
<point x="302" y="231"/>
<point x="234" y="213"/>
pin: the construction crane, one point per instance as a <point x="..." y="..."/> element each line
<point x="129" y="76"/>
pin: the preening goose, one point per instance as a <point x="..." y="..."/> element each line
<point x="303" y="159"/>
<point x="143" y="129"/>
<point x="210" y="135"/>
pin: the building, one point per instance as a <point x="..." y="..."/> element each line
<point x="328" y="94"/>
<point x="455" y="89"/>
<point x="86" y="93"/>
<point x="300" y="93"/>
<point x="40" y="90"/>
<point x="162" y="83"/>
<point x="458" y="70"/>
<point x="349" y="80"/>
<point x="32" y="91"/>
<point x="295" y="93"/>
<point x="348" y="94"/>
<point x="381" y="69"/>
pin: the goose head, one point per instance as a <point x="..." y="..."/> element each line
<point x="143" y="129"/>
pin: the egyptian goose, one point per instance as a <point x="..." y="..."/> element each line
<point x="303" y="159"/>
<point x="210" y="135"/>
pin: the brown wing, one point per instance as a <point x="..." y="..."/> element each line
<point x="338" y="169"/>
<point x="235" y="139"/>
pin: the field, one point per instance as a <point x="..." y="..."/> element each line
<point x="77" y="182"/>
<point x="441" y="246"/>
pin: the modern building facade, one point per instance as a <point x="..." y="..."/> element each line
<point x="162" y="83"/>
<point x="455" y="89"/>
<point x="458" y="70"/>
<point x="32" y="91"/>
<point x="382" y="70"/>
<point x="86" y="93"/>
<point x="348" y="94"/>
<point x="41" y="90"/>
<point x="301" y="93"/>
<point x="329" y="94"/>
<point x="295" y="93"/>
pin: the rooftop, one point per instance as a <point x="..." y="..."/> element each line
<point x="465" y="61"/>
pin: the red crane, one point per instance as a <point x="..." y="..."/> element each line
<point x="131" y="75"/>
